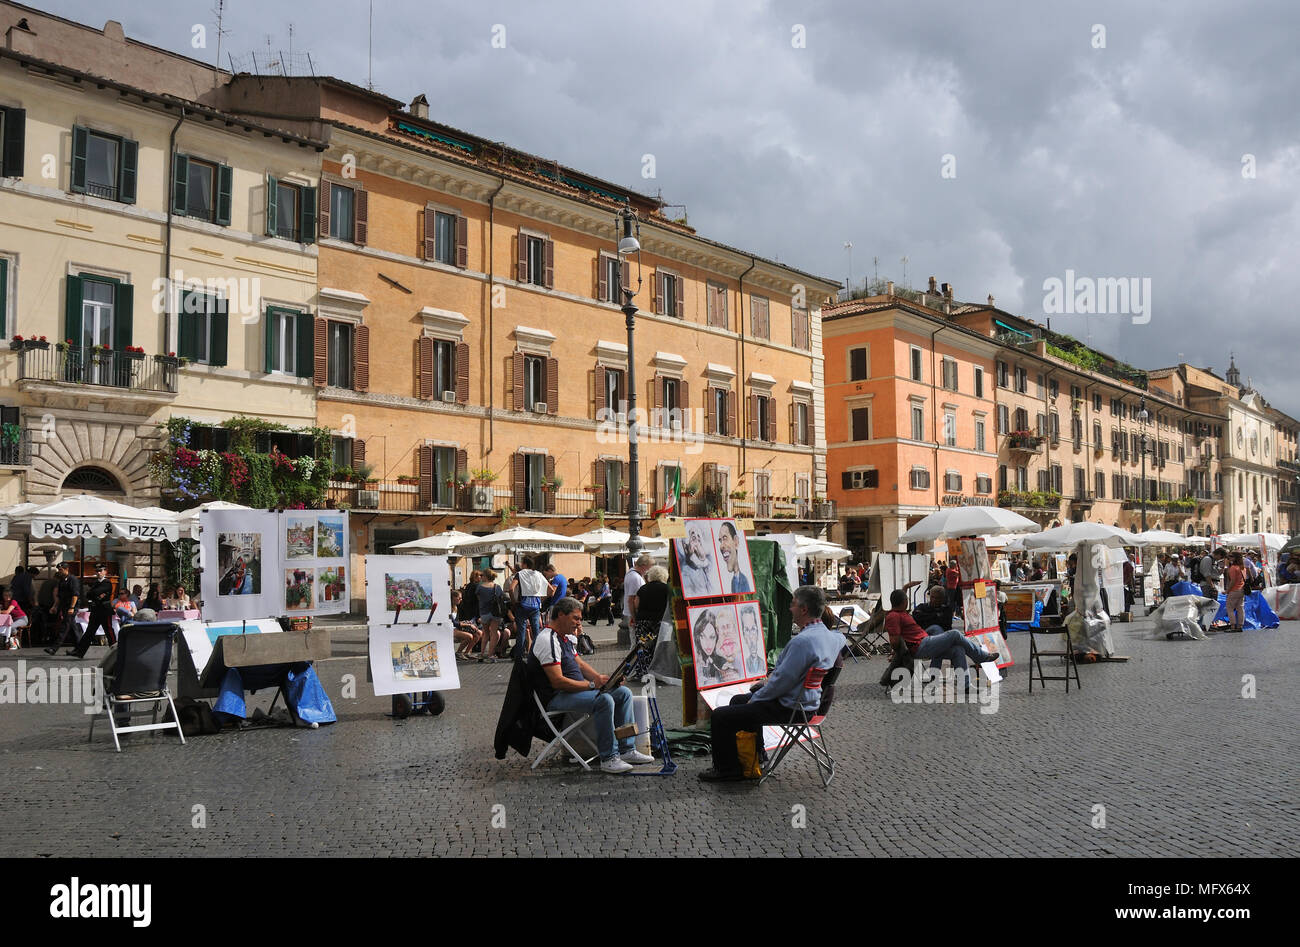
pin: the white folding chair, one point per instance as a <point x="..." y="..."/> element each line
<point x="552" y="717"/>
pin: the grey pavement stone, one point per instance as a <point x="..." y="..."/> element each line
<point x="1181" y="762"/>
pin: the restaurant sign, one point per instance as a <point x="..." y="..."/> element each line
<point x="956" y="499"/>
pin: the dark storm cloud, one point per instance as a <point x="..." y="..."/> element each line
<point x="1121" y="161"/>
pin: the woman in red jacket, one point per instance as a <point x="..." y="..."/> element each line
<point x="1235" y="584"/>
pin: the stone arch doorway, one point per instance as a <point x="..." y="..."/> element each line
<point x="94" y="480"/>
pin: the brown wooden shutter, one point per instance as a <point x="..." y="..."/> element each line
<point x="424" y="455"/>
<point x="657" y="393"/>
<point x="358" y="452"/>
<point x="552" y="386"/>
<point x="625" y="268"/>
<point x="462" y="242"/>
<point x="360" y="217"/>
<point x="794" y="438"/>
<point x="771" y="420"/>
<point x="602" y="282"/>
<point x="517" y="369"/>
<point x="680" y="285"/>
<point x="549" y="496"/>
<point x="425" y="352"/>
<point x="812" y="433"/>
<point x="598" y="401"/>
<point x="752" y="428"/>
<point x="462" y="372"/>
<point x="599" y="499"/>
<point x="658" y="292"/>
<point x="321" y="355"/>
<point x="548" y="255"/>
<point x="462" y="464"/>
<point x="731" y="414"/>
<point x="430" y="233"/>
<point x="361" y="359"/>
<point x="711" y="300"/>
<point x="323" y="212"/>
<point x="517" y="497"/>
<point x="521" y="266"/>
<point x="684" y="403"/>
<point x="709" y="396"/>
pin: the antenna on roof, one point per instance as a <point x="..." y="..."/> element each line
<point x="220" y="12"/>
<point x="370" y="45"/>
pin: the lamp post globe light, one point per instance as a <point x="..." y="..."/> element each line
<point x="629" y="244"/>
<point x="1142" y="419"/>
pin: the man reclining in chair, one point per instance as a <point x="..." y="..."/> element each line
<point x="910" y="640"/>
<point x="569" y="683"/>
<point x="771" y="702"/>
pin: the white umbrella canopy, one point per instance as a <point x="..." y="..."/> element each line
<point x="83" y="516"/>
<point x="519" y="539"/>
<point x="805" y="548"/>
<point x="603" y="541"/>
<point x="1161" y="537"/>
<point x="1274" y="541"/>
<point x="959" y="521"/>
<point x="446" y="543"/>
<point x="1071" y="534"/>
<point x="189" y="519"/>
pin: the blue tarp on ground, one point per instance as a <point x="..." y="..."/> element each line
<point x="1258" y="613"/>
<point x="304" y="693"/>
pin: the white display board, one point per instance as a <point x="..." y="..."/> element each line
<point x="894" y="570"/>
<point x="412" y="658"/>
<point x="314" y="562"/>
<point x="407" y="589"/>
<point x="200" y="637"/>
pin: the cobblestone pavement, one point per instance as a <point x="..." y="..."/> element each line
<point x="1182" y="763"/>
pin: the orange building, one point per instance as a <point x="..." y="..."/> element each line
<point x="910" y="417"/>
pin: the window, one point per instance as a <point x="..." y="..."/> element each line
<point x="1002" y="476"/>
<point x="1114" y="407"/>
<point x="718" y="410"/>
<point x="341" y="451"/>
<point x="446" y="239"/>
<point x="800" y="331"/>
<point x="857" y="364"/>
<point x="916" y="364"/>
<point x="950" y="374"/>
<point x="201" y="189"/>
<point x="759" y="316"/>
<point x="13" y="127"/>
<point x="671" y="415"/>
<point x="1117" y="486"/>
<point x="1002" y="374"/>
<point x="614" y="394"/>
<point x="1056" y="478"/>
<point x="201" y="328"/>
<point x="386" y="537"/>
<point x="444" y="476"/>
<point x="1096" y="434"/>
<point x="1040" y="424"/>
<point x="952" y="482"/>
<point x="860" y="424"/>
<point x="536" y="251"/>
<point x="860" y="479"/>
<point x="339" y="336"/>
<point x="1044" y="480"/>
<point x="1056" y="427"/>
<point x="1022" y="380"/>
<point x="1080" y="483"/>
<point x="615" y="502"/>
<point x="444" y="366"/>
<point x="918" y="423"/>
<point x="983" y="484"/>
<point x="99" y="312"/>
<point x="341" y="206"/>
<point x="609" y="279"/>
<point x="1053" y="389"/>
<point x="534" y="381"/>
<point x="1096" y="401"/>
<point x="103" y="165"/>
<point x="4" y="288"/>
<point x="920" y="479"/>
<point x="763" y="407"/>
<point x="1075" y="392"/>
<point x="534" y="474"/>
<point x="290" y="211"/>
<point x="289" y="342"/>
<point x="1004" y="425"/>
<point x="1076" y="431"/>
<point x="717" y="305"/>
<point x="1038" y="382"/>
<point x="950" y="427"/>
<point x="802" y="428"/>
<point x="979" y="383"/>
<point x="1021" y="420"/>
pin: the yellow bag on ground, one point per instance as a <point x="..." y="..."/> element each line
<point x="747" y="750"/>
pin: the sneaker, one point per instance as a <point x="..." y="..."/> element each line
<point x="614" y="765"/>
<point x="636" y="758"/>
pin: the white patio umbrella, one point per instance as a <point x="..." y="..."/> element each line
<point x="83" y="516"/>
<point x="1161" y="537"/>
<point x="519" y="539"/>
<point x="1274" y="541"/>
<point x="603" y="541"/>
<point x="959" y="521"/>
<point x="446" y="543"/>
<point x="1071" y="534"/>
<point x="805" y="548"/>
<point x="189" y="519"/>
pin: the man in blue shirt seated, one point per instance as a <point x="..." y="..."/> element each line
<point x="772" y="702"/>
<point x="569" y="683"/>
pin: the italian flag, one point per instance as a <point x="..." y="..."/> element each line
<point x="674" y="496"/>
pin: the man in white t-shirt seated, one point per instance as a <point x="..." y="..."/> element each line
<point x="568" y="683"/>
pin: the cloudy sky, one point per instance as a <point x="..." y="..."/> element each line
<point x="995" y="145"/>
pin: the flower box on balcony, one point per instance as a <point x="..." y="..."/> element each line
<point x="409" y="481"/>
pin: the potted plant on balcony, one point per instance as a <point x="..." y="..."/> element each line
<point x="552" y="484"/>
<point x="20" y="342"/>
<point x="364" y="473"/>
<point x="134" y="353"/>
<point x="462" y="480"/>
<point x="482" y="476"/>
<point x="410" y="480"/>
<point x="738" y="494"/>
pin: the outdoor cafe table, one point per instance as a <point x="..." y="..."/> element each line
<point x="171" y="614"/>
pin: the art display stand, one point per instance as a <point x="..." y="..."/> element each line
<point x="658" y="741"/>
<point x="980" y="609"/>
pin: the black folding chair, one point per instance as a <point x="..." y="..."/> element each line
<point x="808" y="732"/>
<point x="139" y="677"/>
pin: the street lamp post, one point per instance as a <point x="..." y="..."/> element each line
<point x="1142" y="419"/>
<point x="630" y="244"/>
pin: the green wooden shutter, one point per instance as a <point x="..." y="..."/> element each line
<point x="272" y="190"/>
<point x="80" y="137"/>
<point x="220" y="330"/>
<point x="123" y="313"/>
<point x="225" y="179"/>
<point x="307" y="214"/>
<point x="11" y="159"/>
<point x="186" y="326"/>
<point x="72" y="311"/>
<point x="180" y="184"/>
<point x="269" y="318"/>
<point x="306" y="345"/>
<point x="4" y="298"/>
<point x="126" y="172"/>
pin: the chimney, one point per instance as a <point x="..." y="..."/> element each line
<point x="934" y="286"/>
<point x="20" y="38"/>
<point x="113" y="31"/>
<point x="947" y="291"/>
<point x="990" y="299"/>
<point x="420" y="106"/>
<point x="889" y="288"/>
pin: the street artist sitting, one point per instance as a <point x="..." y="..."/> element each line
<point x="771" y="702"/>
<point x="934" y="642"/>
<point x="569" y="683"/>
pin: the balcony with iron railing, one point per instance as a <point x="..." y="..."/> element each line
<point x="1291" y="465"/>
<point x="1082" y="502"/>
<point x="98" y="367"/>
<point x="1026" y="442"/>
<point x="15" y="446"/>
